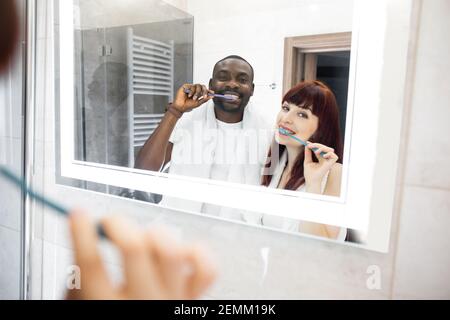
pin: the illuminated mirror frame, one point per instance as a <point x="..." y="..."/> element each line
<point x="374" y="119"/>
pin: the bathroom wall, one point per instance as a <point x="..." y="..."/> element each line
<point x="422" y="255"/>
<point x="261" y="264"/>
<point x="11" y="143"/>
<point x="261" y="38"/>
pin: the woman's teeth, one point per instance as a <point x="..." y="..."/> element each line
<point x="287" y="130"/>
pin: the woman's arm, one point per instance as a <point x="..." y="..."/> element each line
<point x="332" y="188"/>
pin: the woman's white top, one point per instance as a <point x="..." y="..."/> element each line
<point x="289" y="224"/>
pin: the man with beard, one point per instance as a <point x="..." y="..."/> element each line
<point x="211" y="137"/>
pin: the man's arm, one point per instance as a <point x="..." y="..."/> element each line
<point x="157" y="150"/>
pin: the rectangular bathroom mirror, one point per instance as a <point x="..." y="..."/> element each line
<point x="120" y="66"/>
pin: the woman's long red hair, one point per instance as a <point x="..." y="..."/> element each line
<point x="322" y="101"/>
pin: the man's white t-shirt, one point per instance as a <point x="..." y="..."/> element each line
<point x="224" y="157"/>
<point x="204" y="147"/>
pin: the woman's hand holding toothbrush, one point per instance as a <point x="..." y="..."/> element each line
<point x="315" y="171"/>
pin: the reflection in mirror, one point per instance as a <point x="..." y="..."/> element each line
<point x="126" y="76"/>
<point x="268" y="106"/>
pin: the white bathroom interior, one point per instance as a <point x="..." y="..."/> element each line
<point x="75" y="136"/>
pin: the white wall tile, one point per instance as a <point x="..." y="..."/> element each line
<point x="41" y="66"/>
<point x="10" y="208"/>
<point x="48" y="273"/>
<point x="37" y="258"/>
<point x="429" y="145"/>
<point x="42" y="21"/>
<point x="10" y="197"/>
<point x="298" y="268"/>
<point x="9" y="264"/>
<point x="56" y="262"/>
<point x="423" y="259"/>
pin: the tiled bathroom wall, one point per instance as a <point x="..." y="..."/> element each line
<point x="422" y="261"/>
<point x="261" y="264"/>
<point x="11" y="155"/>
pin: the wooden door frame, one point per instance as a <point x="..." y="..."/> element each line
<point x="293" y="46"/>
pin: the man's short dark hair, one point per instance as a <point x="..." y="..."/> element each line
<point x="235" y="57"/>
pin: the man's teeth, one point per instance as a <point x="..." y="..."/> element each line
<point x="231" y="97"/>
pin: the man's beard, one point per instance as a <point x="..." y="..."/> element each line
<point x="234" y="109"/>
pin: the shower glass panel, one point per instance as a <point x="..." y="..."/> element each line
<point x="127" y="70"/>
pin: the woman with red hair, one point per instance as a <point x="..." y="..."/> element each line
<point x="309" y="112"/>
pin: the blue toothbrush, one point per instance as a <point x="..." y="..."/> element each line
<point x="9" y="175"/>
<point x="287" y="133"/>
<point x="216" y="95"/>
